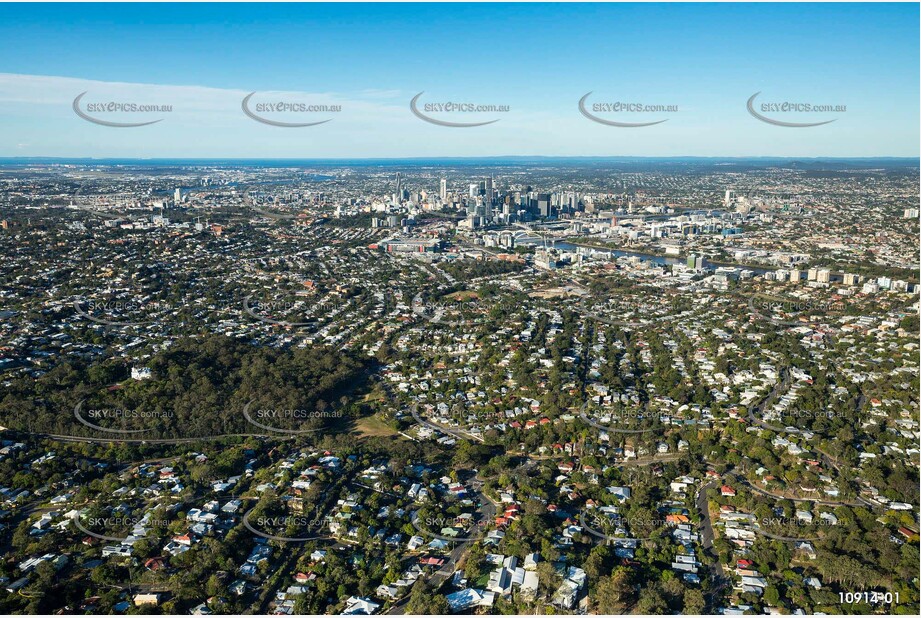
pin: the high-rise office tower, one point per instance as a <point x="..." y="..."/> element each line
<point x="543" y="204"/>
<point x="444" y="190"/>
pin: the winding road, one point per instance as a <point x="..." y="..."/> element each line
<point x="414" y="412"/>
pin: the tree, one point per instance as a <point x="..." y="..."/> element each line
<point x="473" y="567"/>
<point x="424" y="603"/>
<point x="614" y="594"/>
<point x="693" y="602"/>
<point x="771" y="596"/>
<point x="651" y="601"/>
<point x="548" y="576"/>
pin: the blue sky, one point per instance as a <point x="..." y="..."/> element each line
<point x="538" y="59"/>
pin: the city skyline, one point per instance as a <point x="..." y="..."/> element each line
<point x="469" y="308"/>
<point x="531" y="388"/>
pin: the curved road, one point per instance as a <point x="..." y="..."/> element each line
<point x="66" y="438"/>
<point x="414" y="412"/>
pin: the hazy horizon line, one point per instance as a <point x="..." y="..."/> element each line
<point x="478" y="157"/>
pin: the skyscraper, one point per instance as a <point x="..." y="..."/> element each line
<point x="696" y="262"/>
<point x="399" y="191"/>
<point x="543" y="204"/>
<point x="444" y="190"/>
